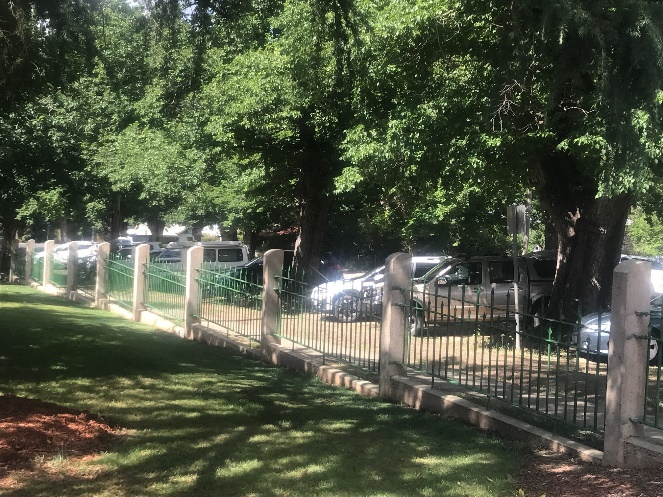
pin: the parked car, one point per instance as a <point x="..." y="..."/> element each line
<point x="224" y="254"/>
<point x="456" y="286"/>
<point x="127" y="251"/>
<point x="252" y="271"/>
<point x="216" y="255"/>
<point x="241" y="284"/>
<point x="169" y="255"/>
<point x="86" y="250"/>
<point x="593" y="336"/>
<point x="350" y="299"/>
<point x="656" y="272"/>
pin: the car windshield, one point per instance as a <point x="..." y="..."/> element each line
<point x="441" y="268"/>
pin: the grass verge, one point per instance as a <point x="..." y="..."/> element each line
<point x="205" y="422"/>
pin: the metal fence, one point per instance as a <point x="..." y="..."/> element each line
<point x="58" y="271"/>
<point x="230" y="301"/>
<point x="343" y="327"/>
<point x="528" y="362"/>
<point x="37" y="269"/>
<point x="18" y="262"/>
<point x="652" y="410"/>
<point x="165" y="290"/>
<point x="119" y="282"/>
<point x="85" y="276"/>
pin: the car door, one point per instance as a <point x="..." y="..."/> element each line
<point x="455" y="291"/>
<point x="499" y="286"/>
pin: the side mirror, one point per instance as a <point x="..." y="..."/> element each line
<point x="442" y="280"/>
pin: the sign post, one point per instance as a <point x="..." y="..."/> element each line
<point x="515" y="217"/>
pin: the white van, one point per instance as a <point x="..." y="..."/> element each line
<point x="220" y="254"/>
<point x="224" y="254"/>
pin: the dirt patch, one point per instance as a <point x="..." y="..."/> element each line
<point x="554" y="475"/>
<point x="32" y="430"/>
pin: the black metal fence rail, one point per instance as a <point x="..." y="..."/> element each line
<point x="525" y="360"/>
<point x="120" y="280"/>
<point x="18" y="262"/>
<point x="165" y="290"/>
<point x="653" y="403"/>
<point x="344" y="331"/>
<point x="37" y="270"/>
<point x="86" y="275"/>
<point x="58" y="272"/>
<point x="229" y="301"/>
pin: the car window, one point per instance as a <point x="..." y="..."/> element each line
<point x="438" y="270"/>
<point x="545" y="268"/>
<point x="501" y="271"/>
<point x="230" y="255"/>
<point x="464" y="273"/>
<point x="422" y="268"/>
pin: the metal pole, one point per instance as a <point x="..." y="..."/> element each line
<point x="515" y="273"/>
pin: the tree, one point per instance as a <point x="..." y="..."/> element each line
<point x="155" y="171"/>
<point x="423" y="147"/>
<point x="280" y="111"/>
<point x="582" y="95"/>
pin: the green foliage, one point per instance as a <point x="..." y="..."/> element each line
<point x="644" y="234"/>
<point x="149" y="164"/>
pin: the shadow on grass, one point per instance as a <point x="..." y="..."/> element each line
<point x="206" y="422"/>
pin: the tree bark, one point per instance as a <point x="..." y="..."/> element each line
<point x="156" y="227"/>
<point x="590" y="234"/>
<point x="315" y="203"/>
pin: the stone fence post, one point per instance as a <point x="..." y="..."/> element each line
<point x="29" y="254"/>
<point x="397" y="281"/>
<point x="48" y="252"/>
<point x="72" y="268"/>
<point x="194" y="259"/>
<point x="628" y="358"/>
<point x="103" y="251"/>
<point x="272" y="267"/>
<point x="141" y="258"/>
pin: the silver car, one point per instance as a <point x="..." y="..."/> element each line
<point x="593" y="336"/>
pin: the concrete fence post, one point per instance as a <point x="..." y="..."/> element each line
<point x="397" y="278"/>
<point x="72" y="268"/>
<point x="141" y="258"/>
<point x="194" y="259"/>
<point x="627" y="358"/>
<point x="103" y="250"/>
<point x="48" y="252"/>
<point x="272" y="267"/>
<point x="29" y="254"/>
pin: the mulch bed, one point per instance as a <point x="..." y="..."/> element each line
<point x="30" y="428"/>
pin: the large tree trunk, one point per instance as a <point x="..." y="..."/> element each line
<point x="116" y="217"/>
<point x="590" y="234"/>
<point x="156" y="227"/>
<point x="315" y="202"/>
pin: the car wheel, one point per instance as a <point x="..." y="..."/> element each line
<point x="416" y="322"/>
<point x="346" y="308"/>
<point x="654" y="347"/>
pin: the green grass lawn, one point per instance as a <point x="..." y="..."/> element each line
<point x="202" y="421"/>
